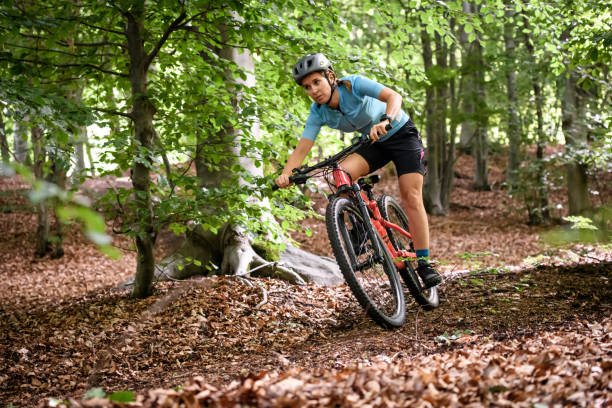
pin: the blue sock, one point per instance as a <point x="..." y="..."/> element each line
<point x="422" y="255"/>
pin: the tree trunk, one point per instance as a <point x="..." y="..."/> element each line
<point x="442" y="101"/>
<point x="79" y="150"/>
<point x="59" y="165"/>
<point x="20" y="142"/>
<point x="42" y="214"/>
<point x="481" y="140"/>
<point x="514" y="125"/>
<point x="448" y="168"/>
<point x="4" y="146"/>
<point x="538" y="210"/>
<point x="78" y="134"/>
<point x="432" y="186"/>
<point x="160" y="149"/>
<point x="142" y="116"/>
<point x="92" y="165"/>
<point x="468" y="86"/>
<point x="575" y="131"/>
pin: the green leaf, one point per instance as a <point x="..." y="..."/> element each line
<point x="122" y="396"/>
<point x="497" y="388"/>
<point x="579" y="222"/>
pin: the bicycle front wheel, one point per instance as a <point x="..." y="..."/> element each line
<point x="374" y="282"/>
<point x="393" y="212"/>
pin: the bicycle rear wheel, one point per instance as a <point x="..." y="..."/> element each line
<point x="393" y="212"/>
<point x="374" y="282"/>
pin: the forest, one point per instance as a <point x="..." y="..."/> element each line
<point x="146" y="259"/>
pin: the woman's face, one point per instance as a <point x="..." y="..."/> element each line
<point x="317" y="86"/>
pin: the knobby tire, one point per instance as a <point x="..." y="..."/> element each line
<point x="392" y="211"/>
<point x="377" y="286"/>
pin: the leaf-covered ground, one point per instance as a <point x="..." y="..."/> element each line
<point x="522" y="336"/>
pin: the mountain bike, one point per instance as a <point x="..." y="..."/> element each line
<point x="370" y="239"/>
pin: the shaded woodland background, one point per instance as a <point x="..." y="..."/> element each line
<point x="148" y="91"/>
<point x="129" y="130"/>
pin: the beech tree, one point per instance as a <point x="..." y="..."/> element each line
<point x="231" y="248"/>
<point x="4" y="145"/>
<point x="514" y="124"/>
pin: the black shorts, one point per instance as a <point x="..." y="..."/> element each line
<point x="404" y="148"/>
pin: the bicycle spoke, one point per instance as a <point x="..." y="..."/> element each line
<point x="375" y="279"/>
<point x="392" y="211"/>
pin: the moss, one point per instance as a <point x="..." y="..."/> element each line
<point x="269" y="252"/>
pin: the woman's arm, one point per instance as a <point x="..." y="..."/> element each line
<point x="393" y="101"/>
<point x="394" y="106"/>
<point x="295" y="160"/>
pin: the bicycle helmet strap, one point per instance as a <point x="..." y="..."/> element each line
<point x="333" y="87"/>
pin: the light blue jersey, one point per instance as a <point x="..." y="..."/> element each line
<point x="359" y="110"/>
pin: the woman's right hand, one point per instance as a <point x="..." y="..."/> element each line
<point x="282" y="181"/>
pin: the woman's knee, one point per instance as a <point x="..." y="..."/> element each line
<point x="412" y="198"/>
<point x="411" y="188"/>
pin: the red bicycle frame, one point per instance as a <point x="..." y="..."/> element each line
<point x="342" y="178"/>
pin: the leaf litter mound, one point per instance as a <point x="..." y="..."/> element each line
<point x="313" y="345"/>
<point x="536" y="336"/>
<point x="564" y="367"/>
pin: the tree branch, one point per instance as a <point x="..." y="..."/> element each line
<point x="92" y="66"/>
<point x="216" y="42"/>
<point x="95" y="44"/>
<point x="112" y="112"/>
<point x="57" y="51"/>
<point x="61" y="81"/>
<point x="189" y="20"/>
<point x="108" y="30"/>
<point x="173" y="27"/>
<point x="65" y="43"/>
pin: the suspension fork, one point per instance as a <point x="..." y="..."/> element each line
<point x="370" y="229"/>
<point x="370" y="210"/>
<point x="344" y="183"/>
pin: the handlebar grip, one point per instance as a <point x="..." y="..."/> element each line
<point x="276" y="187"/>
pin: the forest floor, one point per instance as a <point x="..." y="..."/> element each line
<point x="523" y="324"/>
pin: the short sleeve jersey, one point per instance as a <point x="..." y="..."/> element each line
<point x="359" y="109"/>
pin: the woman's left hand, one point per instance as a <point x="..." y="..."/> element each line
<point x="378" y="130"/>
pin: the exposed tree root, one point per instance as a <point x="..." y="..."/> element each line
<point x="230" y="252"/>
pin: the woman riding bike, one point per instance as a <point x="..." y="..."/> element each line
<point x="357" y="104"/>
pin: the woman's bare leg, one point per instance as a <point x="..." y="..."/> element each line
<point x="356" y="166"/>
<point x="411" y="189"/>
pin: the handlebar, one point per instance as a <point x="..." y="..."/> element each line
<point x="300" y="174"/>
